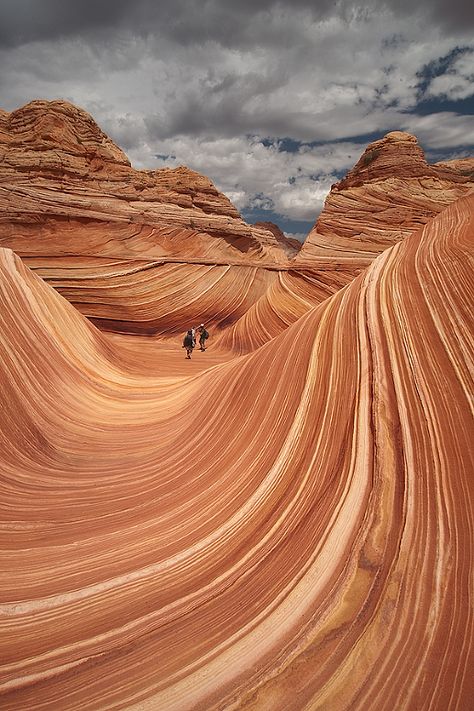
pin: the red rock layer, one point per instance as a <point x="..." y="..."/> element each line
<point x="289" y="529"/>
<point x="462" y="166"/>
<point x="155" y="252"/>
<point x="55" y="163"/>
<point x="388" y="194"/>
<point x="288" y="296"/>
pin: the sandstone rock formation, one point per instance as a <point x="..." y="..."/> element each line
<point x="154" y="252"/>
<point x="56" y="165"/>
<point x="119" y="243"/>
<point x="388" y="194"/>
<point x="289" y="529"/>
<point x="463" y="166"/>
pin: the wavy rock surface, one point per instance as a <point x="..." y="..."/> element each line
<point x="290" y="529"/>
<point x="57" y="164"/>
<point x="154" y="252"/>
<point x="148" y="252"/>
<point x="288" y="296"/>
<point x="388" y="194"/>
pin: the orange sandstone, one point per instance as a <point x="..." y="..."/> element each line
<point x="289" y="529"/>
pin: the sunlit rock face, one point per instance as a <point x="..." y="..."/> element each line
<point x="290" y="529"/>
<point x="154" y="252"/>
<point x="122" y="244"/>
<point x="388" y="194"/>
<point x="57" y="165"/>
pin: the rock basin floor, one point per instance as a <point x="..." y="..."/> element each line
<point x="147" y="355"/>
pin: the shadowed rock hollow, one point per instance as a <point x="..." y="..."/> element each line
<point x="285" y="529"/>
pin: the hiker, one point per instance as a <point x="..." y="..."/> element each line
<point x="193" y="336"/>
<point x="203" y="336"/>
<point x="189" y="342"/>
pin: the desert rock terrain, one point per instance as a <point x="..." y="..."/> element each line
<point x="284" y="521"/>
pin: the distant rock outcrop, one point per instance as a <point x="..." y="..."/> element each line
<point x="153" y="252"/>
<point x="290" y="245"/>
<point x="57" y="164"/>
<point x="388" y="194"/>
<point x="47" y="137"/>
<point x="463" y="166"/>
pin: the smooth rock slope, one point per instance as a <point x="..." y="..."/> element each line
<point x="290" y="529"/>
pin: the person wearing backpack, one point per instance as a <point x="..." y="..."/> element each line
<point x="203" y="336"/>
<point x="189" y="343"/>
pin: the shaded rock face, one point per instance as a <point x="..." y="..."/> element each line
<point x="55" y="162"/>
<point x="462" y="166"/>
<point x="291" y="529"/>
<point x="388" y="194"/>
<point x="289" y="245"/>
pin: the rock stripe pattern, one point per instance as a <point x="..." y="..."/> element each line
<point x="288" y="529"/>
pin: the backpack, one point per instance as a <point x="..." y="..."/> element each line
<point x="204" y="334"/>
<point x="188" y="341"/>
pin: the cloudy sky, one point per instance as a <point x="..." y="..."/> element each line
<point x="274" y="101"/>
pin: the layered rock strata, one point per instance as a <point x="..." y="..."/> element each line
<point x="56" y="164"/>
<point x="388" y="194"/>
<point x="155" y="252"/>
<point x="289" y="529"/>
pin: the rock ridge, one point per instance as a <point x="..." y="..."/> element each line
<point x="56" y="161"/>
<point x="385" y="197"/>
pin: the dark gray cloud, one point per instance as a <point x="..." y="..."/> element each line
<point x="228" y="22"/>
<point x="449" y="14"/>
<point x="28" y="20"/>
<point x="203" y="83"/>
<point x="223" y="101"/>
<point x="23" y="21"/>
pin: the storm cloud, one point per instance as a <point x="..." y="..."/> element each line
<point x="272" y="100"/>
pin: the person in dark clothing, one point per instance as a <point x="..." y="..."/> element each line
<point x="189" y="343"/>
<point x="203" y="336"/>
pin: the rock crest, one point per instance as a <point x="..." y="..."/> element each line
<point x="56" y="163"/>
<point x="389" y="193"/>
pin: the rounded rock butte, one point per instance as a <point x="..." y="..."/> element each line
<point x="283" y="522"/>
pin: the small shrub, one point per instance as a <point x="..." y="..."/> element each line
<point x="370" y="156"/>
